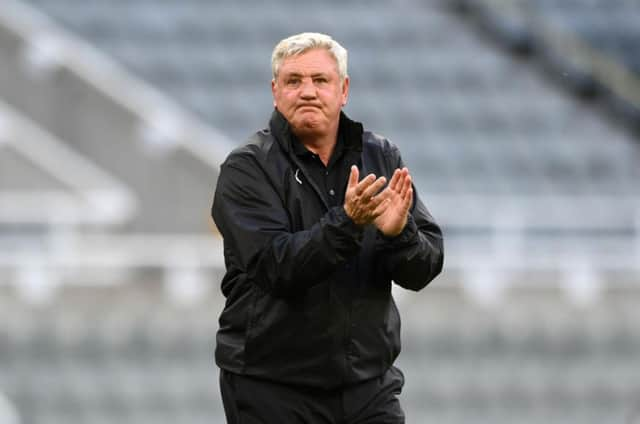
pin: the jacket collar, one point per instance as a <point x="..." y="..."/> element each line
<point x="350" y="131"/>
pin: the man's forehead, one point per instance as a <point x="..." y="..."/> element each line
<point x="315" y="61"/>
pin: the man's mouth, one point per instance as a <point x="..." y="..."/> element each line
<point x="308" y="106"/>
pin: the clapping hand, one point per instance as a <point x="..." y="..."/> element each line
<point x="363" y="201"/>
<point x="388" y="209"/>
<point x="399" y="195"/>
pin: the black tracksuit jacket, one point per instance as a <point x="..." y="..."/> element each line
<point x="308" y="292"/>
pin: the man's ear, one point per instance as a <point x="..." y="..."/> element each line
<point x="273" y="92"/>
<point x="345" y="90"/>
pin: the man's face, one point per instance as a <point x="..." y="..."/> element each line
<point x="309" y="93"/>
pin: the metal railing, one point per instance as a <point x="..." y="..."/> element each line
<point x="38" y="266"/>
<point x="90" y="194"/>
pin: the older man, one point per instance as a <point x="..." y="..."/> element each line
<point x="310" y="331"/>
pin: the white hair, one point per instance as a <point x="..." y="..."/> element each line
<point x="300" y="43"/>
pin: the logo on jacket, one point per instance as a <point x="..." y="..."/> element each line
<point x="297" y="177"/>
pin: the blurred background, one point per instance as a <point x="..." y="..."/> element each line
<point x="519" y="119"/>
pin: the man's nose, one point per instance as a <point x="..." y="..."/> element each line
<point x="308" y="90"/>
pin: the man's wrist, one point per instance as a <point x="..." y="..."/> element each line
<point x="408" y="232"/>
<point x="344" y="216"/>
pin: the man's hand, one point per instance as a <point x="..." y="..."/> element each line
<point x="363" y="201"/>
<point x="398" y="198"/>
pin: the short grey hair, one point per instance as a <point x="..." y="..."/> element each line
<point x="300" y="43"/>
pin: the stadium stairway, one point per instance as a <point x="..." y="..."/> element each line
<point x="135" y="166"/>
<point x="168" y="159"/>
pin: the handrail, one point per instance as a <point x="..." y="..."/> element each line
<point x="90" y="195"/>
<point x="535" y="211"/>
<point x="186" y="263"/>
<point x="163" y="251"/>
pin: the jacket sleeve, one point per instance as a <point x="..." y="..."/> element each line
<point x="255" y="225"/>
<point x="416" y="255"/>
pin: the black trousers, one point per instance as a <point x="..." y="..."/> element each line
<point x="249" y="400"/>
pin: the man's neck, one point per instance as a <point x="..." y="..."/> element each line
<point x="320" y="145"/>
<point x="323" y="147"/>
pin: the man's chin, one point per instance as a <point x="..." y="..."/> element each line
<point x="308" y="127"/>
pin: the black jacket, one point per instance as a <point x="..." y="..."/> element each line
<point x="309" y="292"/>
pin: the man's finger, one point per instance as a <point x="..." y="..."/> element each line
<point x="382" y="207"/>
<point x="374" y="188"/>
<point x="365" y="183"/>
<point x="353" y="177"/>
<point x="405" y="186"/>
<point x="407" y="199"/>
<point x="395" y="178"/>
<point x="379" y="198"/>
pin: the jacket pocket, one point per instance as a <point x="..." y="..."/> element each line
<point x="283" y="331"/>
<point x="393" y="328"/>
<point x="253" y="317"/>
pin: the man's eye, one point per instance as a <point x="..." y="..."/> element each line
<point x="320" y="80"/>
<point x="293" y="81"/>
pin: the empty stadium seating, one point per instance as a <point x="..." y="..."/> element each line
<point x="128" y="354"/>
<point x="537" y="192"/>
<point x="610" y="26"/>
<point x="592" y="47"/>
<point x="489" y="125"/>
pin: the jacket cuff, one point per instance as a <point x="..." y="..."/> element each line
<point x="406" y="237"/>
<point x="347" y="224"/>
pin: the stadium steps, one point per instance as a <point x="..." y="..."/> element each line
<point x="167" y="158"/>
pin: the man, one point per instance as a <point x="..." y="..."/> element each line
<point x="310" y="331"/>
